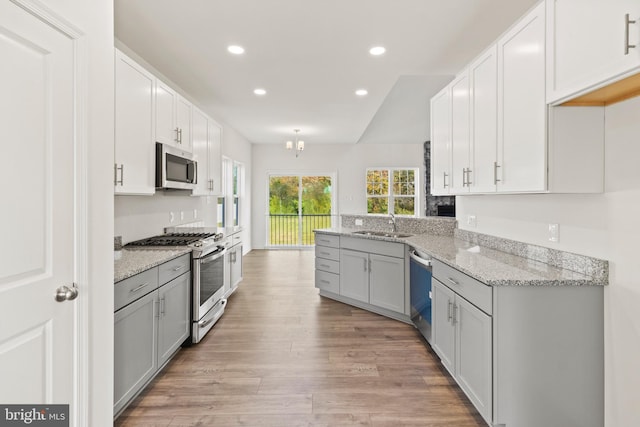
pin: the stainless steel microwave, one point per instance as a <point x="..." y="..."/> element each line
<point x="175" y="168"/>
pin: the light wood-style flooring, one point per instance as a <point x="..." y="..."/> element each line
<point x="281" y="355"/>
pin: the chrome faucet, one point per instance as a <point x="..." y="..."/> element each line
<point x="393" y="221"/>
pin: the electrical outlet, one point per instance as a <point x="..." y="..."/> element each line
<point x="471" y="220"/>
<point x="554" y="232"/>
<point x="195" y="213"/>
<point x="358" y="221"/>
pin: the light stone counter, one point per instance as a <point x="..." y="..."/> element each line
<point x="134" y="261"/>
<point x="499" y="268"/>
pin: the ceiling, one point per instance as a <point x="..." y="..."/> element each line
<point x="311" y="56"/>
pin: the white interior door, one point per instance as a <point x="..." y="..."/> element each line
<point x="37" y="339"/>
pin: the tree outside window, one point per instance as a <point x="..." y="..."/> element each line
<point x="392" y="191"/>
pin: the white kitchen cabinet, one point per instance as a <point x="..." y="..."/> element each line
<point x="483" y="77"/>
<point x="173" y="117"/>
<point x="586" y="45"/>
<point x="206" y="139"/>
<point x="522" y="111"/>
<point x="441" y="142"/>
<point x="215" y="157"/>
<point x="134" y="128"/>
<point x="462" y="335"/>
<point x="460" y="136"/>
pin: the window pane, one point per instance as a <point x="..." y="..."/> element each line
<point x="377" y="205"/>
<point x="283" y="195"/>
<point x="221" y="212"/>
<point x="377" y="182"/>
<point x="404" y="206"/>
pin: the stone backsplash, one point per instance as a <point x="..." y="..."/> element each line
<point x="436" y="225"/>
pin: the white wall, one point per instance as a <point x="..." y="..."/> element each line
<point x="348" y="162"/>
<point x="601" y="225"/>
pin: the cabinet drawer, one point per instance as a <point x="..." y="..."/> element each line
<point x="477" y="293"/>
<point x="328" y="253"/>
<point x="128" y="290"/>
<point x="174" y="268"/>
<point x="236" y="239"/>
<point x="328" y="240"/>
<point x="373" y="246"/>
<point x="328" y="265"/>
<point x="328" y="281"/>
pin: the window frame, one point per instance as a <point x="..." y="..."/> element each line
<point x="390" y="196"/>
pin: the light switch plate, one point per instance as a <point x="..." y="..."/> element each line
<point x="471" y="220"/>
<point x="554" y="232"/>
<point x="358" y="221"/>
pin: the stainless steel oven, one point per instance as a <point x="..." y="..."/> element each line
<point x="208" y="272"/>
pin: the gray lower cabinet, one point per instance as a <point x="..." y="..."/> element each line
<point x="526" y="356"/>
<point x="135" y="349"/>
<point x="151" y="322"/>
<point x="173" y="318"/>
<point x="462" y="339"/>
<point x="363" y="272"/>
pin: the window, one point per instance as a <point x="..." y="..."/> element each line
<point x="229" y="206"/>
<point x="392" y="191"/>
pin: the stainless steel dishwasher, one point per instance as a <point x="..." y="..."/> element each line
<point x="420" y="292"/>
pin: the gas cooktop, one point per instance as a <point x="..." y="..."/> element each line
<point x="175" y="239"/>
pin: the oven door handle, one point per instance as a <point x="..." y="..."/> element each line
<point x="212" y="257"/>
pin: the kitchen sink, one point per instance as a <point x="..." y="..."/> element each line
<point x="382" y="234"/>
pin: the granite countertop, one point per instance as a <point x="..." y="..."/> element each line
<point x="489" y="266"/>
<point x="134" y="261"/>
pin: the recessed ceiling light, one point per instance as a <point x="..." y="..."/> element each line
<point x="361" y="92"/>
<point x="377" y="50"/>
<point x="260" y="91"/>
<point x="236" y="50"/>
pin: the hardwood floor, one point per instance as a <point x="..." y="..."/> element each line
<point x="281" y="355"/>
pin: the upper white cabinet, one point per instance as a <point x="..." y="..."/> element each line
<point x="173" y="117"/>
<point x="483" y="75"/>
<point x="521" y="162"/>
<point x="206" y="136"/>
<point x="134" y="128"/>
<point x="460" y="138"/>
<point x="588" y="44"/>
<point x="492" y="131"/>
<point x="441" y="142"/>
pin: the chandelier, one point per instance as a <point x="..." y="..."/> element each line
<point x="297" y="145"/>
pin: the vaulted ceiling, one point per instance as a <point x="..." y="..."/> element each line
<point x="311" y="56"/>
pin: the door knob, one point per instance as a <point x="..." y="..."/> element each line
<point x="65" y="293"/>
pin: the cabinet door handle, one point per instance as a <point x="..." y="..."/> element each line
<point x="495" y="173"/>
<point x="139" y="287"/>
<point x="115" y="174"/>
<point x="627" y="46"/>
<point x="324" y="266"/>
<point x="452" y="281"/>
<point x="455" y="317"/>
<point x="449" y="316"/>
<point x="468" y="177"/>
<point x="178" y="268"/>
<point x="162" y="304"/>
<point x="365" y="264"/>
<point x="444" y="180"/>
